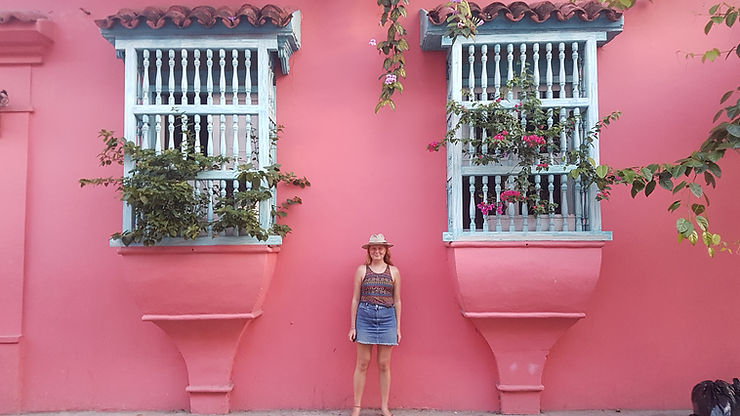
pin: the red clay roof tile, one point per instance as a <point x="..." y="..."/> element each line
<point x="206" y="16"/>
<point x="538" y="12"/>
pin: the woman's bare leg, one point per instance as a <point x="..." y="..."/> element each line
<point x="384" y="374"/>
<point x="364" y="352"/>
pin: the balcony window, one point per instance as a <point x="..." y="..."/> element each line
<point x="203" y="80"/>
<point x="556" y="46"/>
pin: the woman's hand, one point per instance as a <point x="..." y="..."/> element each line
<point x="352" y="334"/>
<point x="398" y="336"/>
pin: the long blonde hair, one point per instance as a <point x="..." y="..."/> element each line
<point x="386" y="258"/>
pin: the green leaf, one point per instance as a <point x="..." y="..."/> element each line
<point x="684" y="226"/>
<point x="677" y="171"/>
<point x="674" y="206"/>
<point x="646" y="173"/>
<point x="710" y="251"/>
<point x="695" y="189"/>
<point x="709" y="178"/>
<point x="602" y="170"/>
<point x="731" y="18"/>
<point x="708" y="27"/>
<point x="710" y="55"/>
<point x="680" y="237"/>
<point x="664" y="179"/>
<point x="733" y="129"/>
<point x="697" y="208"/>
<point x="716" y="239"/>
<point x="679" y="186"/>
<point x="706" y="238"/>
<point x="702" y="222"/>
<point x="649" y="188"/>
<point x="713" y="9"/>
<point x="726" y="96"/>
<point x="693" y="237"/>
<point x="718" y="114"/>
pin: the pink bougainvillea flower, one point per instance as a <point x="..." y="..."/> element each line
<point x="433" y="146"/>
<point x="389" y="79"/>
<point x="543" y="165"/>
<point x="499" y="209"/>
<point x="373" y="42"/>
<point x="455" y="1"/>
<point x="617" y="178"/>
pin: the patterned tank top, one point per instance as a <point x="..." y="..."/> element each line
<point x="377" y="288"/>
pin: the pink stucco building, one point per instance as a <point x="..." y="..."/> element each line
<point x="586" y="320"/>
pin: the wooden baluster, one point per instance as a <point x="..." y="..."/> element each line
<point x="564" y="200"/>
<point x="484" y="73"/>
<point x="497" y="71"/>
<point x="184" y="101"/>
<point x="210" y="204"/>
<point x="146" y="139"/>
<point x="511" y="207"/>
<point x="550" y="144"/>
<point x="548" y="73"/>
<point x="471" y="73"/>
<point x="576" y="81"/>
<point x="248" y="88"/>
<point x="485" y="200"/>
<point x="472" y="206"/>
<point x="497" y="180"/>
<point x="235" y="118"/>
<point x="209" y="101"/>
<point x="523" y="60"/>
<point x="561" y="74"/>
<point x="510" y="73"/>
<point x="536" y="68"/>
<point x="484" y="90"/>
<point x="537" y="190"/>
<point x="471" y="86"/>
<point x="222" y="117"/>
<point x="158" y="99"/>
<point x="525" y="210"/>
<point x="171" y="99"/>
<point x="196" y="90"/>
<point x="563" y="137"/>
<point x="551" y="198"/>
<point x="577" y="185"/>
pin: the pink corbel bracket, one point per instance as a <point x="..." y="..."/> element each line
<point x="203" y="298"/>
<point x="522" y="296"/>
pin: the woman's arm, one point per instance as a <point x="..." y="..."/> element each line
<point x="359" y="273"/>
<point x="397" y="299"/>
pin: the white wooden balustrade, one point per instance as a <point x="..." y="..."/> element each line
<point x="563" y="68"/>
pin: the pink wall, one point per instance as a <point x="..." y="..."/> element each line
<point x="661" y="319"/>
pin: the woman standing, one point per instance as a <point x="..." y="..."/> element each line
<point x="375" y="318"/>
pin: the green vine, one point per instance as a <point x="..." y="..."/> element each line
<point x="159" y="191"/>
<point x="394" y="65"/>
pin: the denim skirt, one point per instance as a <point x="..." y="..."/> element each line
<point x="376" y="324"/>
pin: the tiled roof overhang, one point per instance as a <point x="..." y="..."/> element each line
<point x="520" y="17"/>
<point x="206" y="16"/>
<point x="223" y="22"/>
<point x="539" y="12"/>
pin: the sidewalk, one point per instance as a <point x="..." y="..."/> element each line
<point x="376" y="412"/>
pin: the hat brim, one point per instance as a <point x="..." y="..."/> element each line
<point x="366" y="245"/>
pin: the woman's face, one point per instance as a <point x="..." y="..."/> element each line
<point x="376" y="252"/>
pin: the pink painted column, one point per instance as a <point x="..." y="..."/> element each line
<point x="24" y="38"/>
<point x="203" y="298"/>
<point x="522" y="296"/>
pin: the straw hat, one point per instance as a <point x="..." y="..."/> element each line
<point x="377" y="240"/>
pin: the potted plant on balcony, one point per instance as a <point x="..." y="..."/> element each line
<point x="202" y="295"/>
